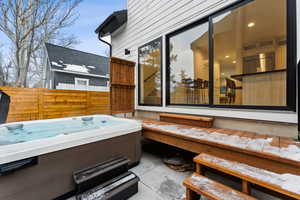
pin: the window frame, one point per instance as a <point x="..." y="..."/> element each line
<point x="160" y="39"/>
<point x="82" y="79"/>
<point x="168" y="70"/>
<point x="291" y="59"/>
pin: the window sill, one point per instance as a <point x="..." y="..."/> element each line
<point x="262" y="115"/>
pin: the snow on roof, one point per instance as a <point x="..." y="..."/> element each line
<point x="72" y="67"/>
<point x="56" y="64"/>
<point x="72" y="60"/>
<point x="76" y="68"/>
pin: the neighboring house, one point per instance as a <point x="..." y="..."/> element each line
<point x="72" y="69"/>
<point x="235" y="60"/>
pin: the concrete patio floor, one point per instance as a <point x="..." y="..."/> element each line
<point x="158" y="182"/>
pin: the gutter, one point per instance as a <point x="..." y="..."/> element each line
<point x="110" y="46"/>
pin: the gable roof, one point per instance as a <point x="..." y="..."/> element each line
<point x="74" y="61"/>
<point x="112" y="23"/>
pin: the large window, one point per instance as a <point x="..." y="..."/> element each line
<point x="250" y="54"/>
<point x="239" y="57"/>
<point x="189" y="66"/>
<point x="150" y="73"/>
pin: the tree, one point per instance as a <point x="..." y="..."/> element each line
<point x="1" y="71"/>
<point x="5" y="69"/>
<point x="29" y="24"/>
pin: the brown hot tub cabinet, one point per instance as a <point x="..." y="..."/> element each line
<point x="52" y="176"/>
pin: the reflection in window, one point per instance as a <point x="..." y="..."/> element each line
<point x="150" y="73"/>
<point x="189" y="67"/>
<point x="250" y="55"/>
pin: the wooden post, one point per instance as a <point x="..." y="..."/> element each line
<point x="88" y="102"/>
<point x="246" y="187"/>
<point x="190" y="194"/>
<point x="199" y="169"/>
<point x="122" y="85"/>
<point x="41" y="103"/>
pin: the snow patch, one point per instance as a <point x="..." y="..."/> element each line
<point x="56" y="64"/>
<point x="76" y="68"/>
<point x="211" y="187"/>
<point x="291" y="182"/>
<point x="101" y="193"/>
<point x="73" y="67"/>
<point x="291" y="152"/>
<point x="288" y="182"/>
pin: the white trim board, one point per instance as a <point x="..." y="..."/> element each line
<point x="82" y="79"/>
<point x="271" y="116"/>
<point x="79" y="73"/>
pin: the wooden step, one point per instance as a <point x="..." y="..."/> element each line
<point x="204" y="122"/>
<point x="211" y="189"/>
<point x="286" y="184"/>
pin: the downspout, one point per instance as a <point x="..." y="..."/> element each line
<point x="110" y="55"/>
<point x="110" y="46"/>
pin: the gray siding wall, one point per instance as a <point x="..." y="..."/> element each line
<point x="60" y="77"/>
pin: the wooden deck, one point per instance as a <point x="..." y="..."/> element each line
<point x="268" y="156"/>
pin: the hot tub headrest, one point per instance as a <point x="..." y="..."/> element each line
<point x="86" y="119"/>
<point x="14" y="127"/>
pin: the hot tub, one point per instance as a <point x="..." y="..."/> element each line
<point x="58" y="147"/>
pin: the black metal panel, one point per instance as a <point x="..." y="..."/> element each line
<point x="112" y="191"/>
<point x="168" y="71"/>
<point x="11" y="167"/>
<point x="4" y="106"/>
<point x="291" y="53"/>
<point x="211" y="63"/>
<point x="298" y="102"/>
<point x="92" y="176"/>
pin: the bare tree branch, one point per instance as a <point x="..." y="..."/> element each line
<point x="29" y="24"/>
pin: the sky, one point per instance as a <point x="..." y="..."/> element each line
<point x="91" y="14"/>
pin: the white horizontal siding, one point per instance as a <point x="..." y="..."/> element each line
<point x="65" y="86"/>
<point x="150" y="19"/>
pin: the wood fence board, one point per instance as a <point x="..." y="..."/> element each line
<point x="122" y="85"/>
<point x="34" y="104"/>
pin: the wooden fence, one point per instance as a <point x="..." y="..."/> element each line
<point x="122" y="85"/>
<point x="33" y="104"/>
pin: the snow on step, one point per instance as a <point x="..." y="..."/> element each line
<point x="291" y="152"/>
<point x="287" y="182"/>
<point x="215" y="189"/>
